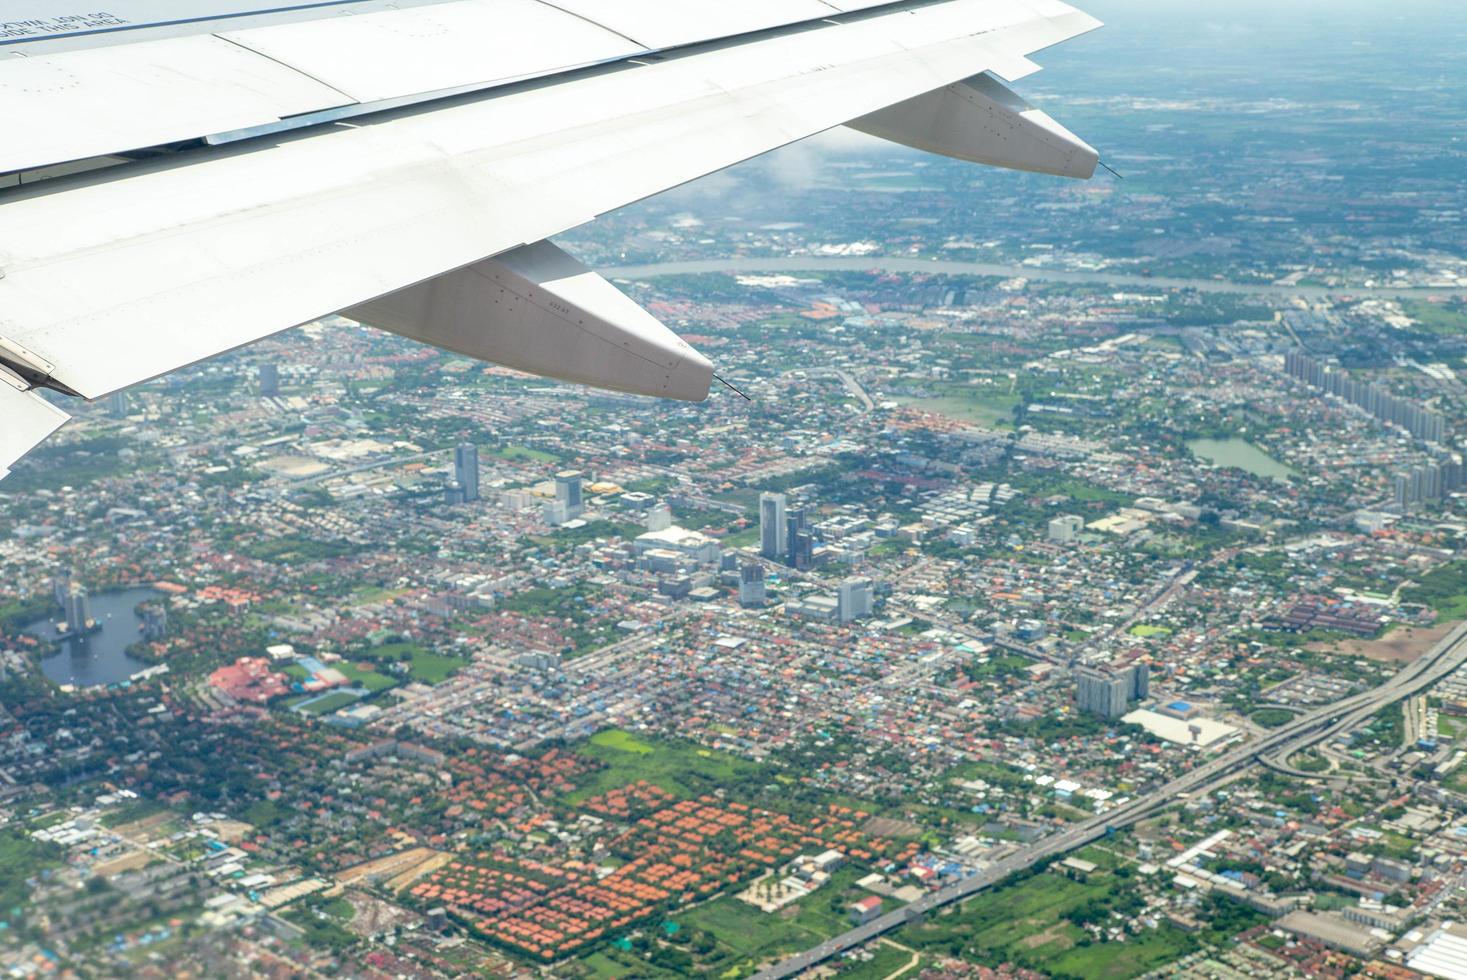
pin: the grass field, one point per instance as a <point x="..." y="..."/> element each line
<point x="623" y="742"/>
<point x="369" y="678"/>
<point x="433" y="668"/>
<point x="687" y="770"/>
<point x="887" y="960"/>
<point x="1443" y="589"/>
<point x="994" y="409"/>
<point x="748" y="937"/>
<point x="424" y="665"/>
<point x="20" y="858"/>
<point x="1144" y="630"/>
<point x="524" y="454"/>
<point x="330" y="703"/>
<point x="1271" y="717"/>
<point x="1029" y="923"/>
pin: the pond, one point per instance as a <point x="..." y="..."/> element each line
<point x="1242" y="454"/>
<point x="101" y="657"/>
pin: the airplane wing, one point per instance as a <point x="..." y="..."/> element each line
<point x="228" y="176"/>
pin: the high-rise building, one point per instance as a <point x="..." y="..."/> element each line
<point x="78" y="610"/>
<point x="799" y="539"/>
<point x="773" y="535"/>
<point x="1140" y="680"/>
<point x="453" y="494"/>
<point x="61" y="586"/>
<point x="802" y="550"/>
<point x="1100" y="691"/>
<point x="117" y="405"/>
<point x="1065" y="528"/>
<point x="659" y="517"/>
<point x="568" y="484"/>
<point x="155" y="620"/>
<point x="1425" y="425"/>
<point x="269" y="375"/>
<point x="466" y="470"/>
<point x="854" y="599"/>
<point x="1106" y="690"/>
<point x="751" y="584"/>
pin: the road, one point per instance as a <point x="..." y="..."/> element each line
<point x="1317" y="726"/>
<point x="1100" y="277"/>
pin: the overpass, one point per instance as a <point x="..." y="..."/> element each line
<point x="1308" y="729"/>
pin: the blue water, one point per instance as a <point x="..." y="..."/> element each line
<point x="100" y="658"/>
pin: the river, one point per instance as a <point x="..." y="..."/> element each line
<point x="100" y="658"/>
<point x="887" y="263"/>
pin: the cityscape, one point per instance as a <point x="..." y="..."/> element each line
<point x="1071" y="581"/>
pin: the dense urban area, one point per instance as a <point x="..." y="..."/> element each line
<point x="1078" y="592"/>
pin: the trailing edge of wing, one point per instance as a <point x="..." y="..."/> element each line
<point x="129" y="96"/>
<point x="122" y="275"/>
<point x="25" y="419"/>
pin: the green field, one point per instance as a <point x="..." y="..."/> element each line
<point x="423" y="665"/>
<point x="747" y="936"/>
<point x="20" y="858"/>
<point x="330" y="703"/>
<point x="524" y="454"/>
<point x="370" y="679"/>
<point x="1443" y="589"/>
<point x="1443" y="319"/>
<point x="993" y="409"/>
<point x="1144" y="630"/>
<point x="684" y="769"/>
<point x="615" y="738"/>
<point x="1030" y="923"/>
<point x="1271" y="717"/>
<point x="433" y="668"/>
<point x="886" y="961"/>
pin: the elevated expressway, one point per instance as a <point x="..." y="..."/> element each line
<point x="1319" y="725"/>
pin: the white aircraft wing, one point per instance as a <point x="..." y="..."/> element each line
<point x="405" y="166"/>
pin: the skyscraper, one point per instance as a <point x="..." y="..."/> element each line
<point x="773" y="536"/>
<point x="78" y="610"/>
<point x="1063" y="529"/>
<point x="799" y="539"/>
<point x="61" y="586"/>
<point x="155" y="620"/>
<point x="802" y="550"/>
<point x="751" y="584"/>
<point x="269" y="380"/>
<point x="466" y="470"/>
<point x="117" y="405"/>
<point x="1140" y="680"/>
<point x="854" y="599"/>
<point x="1101" y="691"/>
<point x="568" y="492"/>
<point x="659" y="517"/>
<point x="1106" y="691"/>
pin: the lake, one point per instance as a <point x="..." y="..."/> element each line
<point x="100" y="658"/>
<point x="1242" y="454"/>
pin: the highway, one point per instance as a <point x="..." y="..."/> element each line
<point x="1316" y="726"/>
<point x="816" y="263"/>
